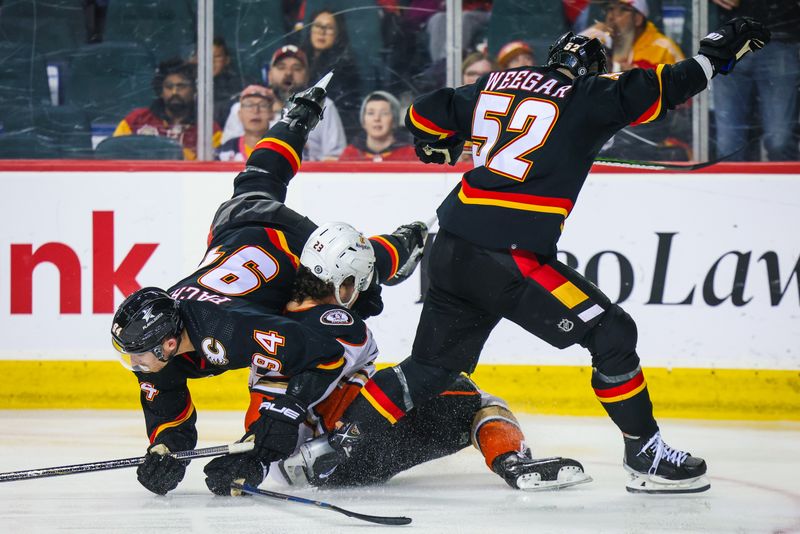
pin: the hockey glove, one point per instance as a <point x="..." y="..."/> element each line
<point x="223" y="470"/>
<point x="277" y="430"/>
<point x="729" y="44"/>
<point x="369" y="302"/>
<point x="160" y="472"/>
<point x="412" y="236"/>
<point x="443" y="151"/>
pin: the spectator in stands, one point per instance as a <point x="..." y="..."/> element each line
<point x="327" y="47"/>
<point x="772" y="81"/>
<point x="94" y="12"/>
<point x="287" y="75"/>
<point x="474" y="21"/>
<point x="226" y="82"/>
<point x="380" y="117"/>
<point x="473" y="67"/>
<point x="172" y="113"/>
<point x="255" y="113"/>
<point x="637" y="41"/>
<point x="515" y="54"/>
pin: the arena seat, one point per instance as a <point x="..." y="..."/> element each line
<point x="28" y="144"/>
<point x="538" y="22"/>
<point x="23" y="75"/>
<point x="252" y="29"/>
<point x="139" y="147"/>
<point x="108" y="80"/>
<point x="63" y="129"/>
<point x="47" y="27"/>
<point x="164" y="27"/>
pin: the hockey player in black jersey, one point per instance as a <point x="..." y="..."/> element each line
<point x="252" y="258"/>
<point x="535" y="132"/>
<point x="332" y="263"/>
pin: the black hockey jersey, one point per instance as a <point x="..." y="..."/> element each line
<point x="360" y="351"/>
<point x="255" y="241"/>
<point x="535" y="133"/>
<point x="234" y="336"/>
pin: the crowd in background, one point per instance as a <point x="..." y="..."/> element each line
<point x="383" y="53"/>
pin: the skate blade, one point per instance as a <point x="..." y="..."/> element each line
<point x="661" y="486"/>
<point x="567" y="476"/>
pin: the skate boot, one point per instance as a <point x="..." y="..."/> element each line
<point x="655" y="467"/>
<point x="317" y="459"/>
<point x="304" y="109"/>
<point x="521" y="471"/>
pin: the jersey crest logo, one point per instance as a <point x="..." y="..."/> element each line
<point x="566" y="325"/>
<point x="336" y="318"/>
<point x="214" y="351"/>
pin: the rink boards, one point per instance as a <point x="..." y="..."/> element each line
<point x="707" y="264"/>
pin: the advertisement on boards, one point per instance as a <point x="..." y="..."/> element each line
<point x="707" y="264"/>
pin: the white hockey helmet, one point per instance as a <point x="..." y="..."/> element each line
<point x="337" y="251"/>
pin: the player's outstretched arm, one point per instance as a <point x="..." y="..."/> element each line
<point x="727" y="45"/>
<point x="648" y="94"/>
<point x="170" y="418"/>
<point x="398" y="254"/>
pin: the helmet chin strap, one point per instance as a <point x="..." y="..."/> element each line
<point x="337" y="296"/>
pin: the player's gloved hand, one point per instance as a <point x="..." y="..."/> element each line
<point x="243" y="468"/>
<point x="160" y="472"/>
<point x="276" y="431"/>
<point x="443" y="151"/>
<point x="413" y="237"/>
<point x="369" y="302"/>
<point x="727" y="45"/>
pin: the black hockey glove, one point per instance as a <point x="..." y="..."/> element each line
<point x="161" y="472"/>
<point x="443" y="151"/>
<point x="727" y="45"/>
<point x="413" y="237"/>
<point x="276" y="431"/>
<point x="223" y="470"/>
<point x="369" y="303"/>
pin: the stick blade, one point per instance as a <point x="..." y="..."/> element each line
<point x="378" y="519"/>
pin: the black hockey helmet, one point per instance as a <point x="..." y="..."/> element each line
<point x="143" y="320"/>
<point x="578" y="54"/>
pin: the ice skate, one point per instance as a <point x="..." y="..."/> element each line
<point x="521" y="471"/>
<point x="317" y="459"/>
<point x="655" y="467"/>
<point x="304" y="109"/>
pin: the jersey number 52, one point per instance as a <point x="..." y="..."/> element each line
<point x="532" y="118"/>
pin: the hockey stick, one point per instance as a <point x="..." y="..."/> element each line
<point x="219" y="450"/>
<point x="379" y="519"/>
<point x="659" y="166"/>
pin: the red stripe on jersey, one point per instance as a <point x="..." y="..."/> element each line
<point x="654" y="110"/>
<point x="278" y="239"/>
<point x="623" y="388"/>
<point x="522" y="198"/>
<point x="282" y="148"/>
<point x="548" y="278"/>
<point x="526" y="261"/>
<point x="544" y="275"/>
<point x="426" y="125"/>
<point x="182" y="417"/>
<point x="393" y="254"/>
<point x="384" y="401"/>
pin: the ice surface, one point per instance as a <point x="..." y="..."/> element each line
<point x="754" y="472"/>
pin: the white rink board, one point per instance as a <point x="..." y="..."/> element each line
<point x="704" y="217"/>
